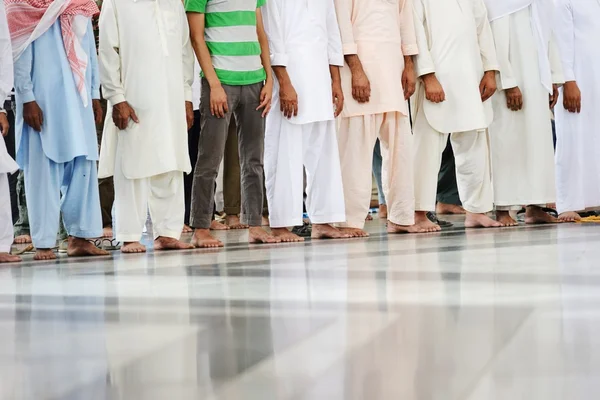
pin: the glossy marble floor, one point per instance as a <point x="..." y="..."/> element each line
<point x="470" y="315"/>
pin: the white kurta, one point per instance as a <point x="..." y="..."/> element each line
<point x="147" y="60"/>
<point x="304" y="37"/>
<point x="577" y="152"/>
<point x="521" y="142"/>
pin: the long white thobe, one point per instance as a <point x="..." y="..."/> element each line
<point x="577" y="154"/>
<point x="521" y="141"/>
<point x="304" y="38"/>
<point x="147" y="60"/>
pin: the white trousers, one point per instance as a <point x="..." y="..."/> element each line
<point x="162" y="195"/>
<point x="289" y="147"/>
<point x="6" y="226"/>
<point x="472" y="158"/>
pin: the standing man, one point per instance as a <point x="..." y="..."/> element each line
<point x="306" y="54"/>
<point x="521" y="135"/>
<point x="147" y="70"/>
<point x="231" y="45"/>
<point x="57" y="92"/>
<point x="577" y="116"/>
<point x="457" y="67"/>
<point x="378" y="40"/>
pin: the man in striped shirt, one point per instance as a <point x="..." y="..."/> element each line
<point x="231" y="45"/>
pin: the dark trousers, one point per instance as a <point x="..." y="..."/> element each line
<point x="11" y="147"/>
<point x="188" y="180"/>
<point x="447" y="191"/>
<point x="106" y="186"/>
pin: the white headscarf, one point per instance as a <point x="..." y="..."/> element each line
<point x="541" y="20"/>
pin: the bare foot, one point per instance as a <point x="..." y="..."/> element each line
<point x="396" y="229"/>
<point x="369" y="217"/>
<point x="204" y="240"/>
<point x="162" y="243"/>
<point x="449" y="209"/>
<point x="22" y="239"/>
<point x="569" y="216"/>
<point x="383" y="212"/>
<point x="259" y="235"/>
<point x="133" y="248"/>
<point x="233" y="221"/>
<point x="286" y="236"/>
<point x="354" y="232"/>
<point x="424" y="223"/>
<point x="217" y="226"/>
<point x="480" y="221"/>
<point x="265" y="221"/>
<point x="107" y="232"/>
<point x="44" y="254"/>
<point x="505" y="219"/>
<point x="535" y="215"/>
<point x="326" y="231"/>
<point x="186" y="229"/>
<point x="78" y="247"/>
<point x="8" y="258"/>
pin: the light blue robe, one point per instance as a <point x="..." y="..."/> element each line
<point x="61" y="159"/>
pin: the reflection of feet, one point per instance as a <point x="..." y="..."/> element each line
<point x="187" y="229"/>
<point x="285" y="235"/>
<point x="445" y="209"/>
<point x="424" y="223"/>
<point x="233" y="221"/>
<point x="369" y="217"/>
<point x="480" y="221"/>
<point x="162" y="243"/>
<point x="383" y="213"/>
<point x="8" y="258"/>
<point x="354" y="232"/>
<point x="569" y="216"/>
<point x="44" y="254"/>
<point x="133" y="247"/>
<point x="107" y="232"/>
<point x="217" y="226"/>
<point x="259" y="235"/>
<point x="78" y="247"/>
<point x="21" y="239"/>
<point x="204" y="240"/>
<point x="534" y="215"/>
<point x="265" y="221"/>
<point x="326" y="231"/>
<point x="396" y="229"/>
<point x="505" y="219"/>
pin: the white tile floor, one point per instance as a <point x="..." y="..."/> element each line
<point x="474" y="315"/>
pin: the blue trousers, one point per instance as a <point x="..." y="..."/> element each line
<point x="46" y="181"/>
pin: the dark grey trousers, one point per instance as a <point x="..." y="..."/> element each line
<point x="447" y="191"/>
<point x="242" y="102"/>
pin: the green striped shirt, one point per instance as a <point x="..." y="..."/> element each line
<point x="230" y="34"/>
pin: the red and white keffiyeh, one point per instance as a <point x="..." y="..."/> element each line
<point x="30" y="19"/>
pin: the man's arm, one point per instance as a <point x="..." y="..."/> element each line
<point x="266" y="94"/>
<point x="424" y="65"/>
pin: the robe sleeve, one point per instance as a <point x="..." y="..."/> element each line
<point x="564" y="33"/>
<point x="407" y="29"/>
<point x="424" y="61"/>
<point x="274" y="29"/>
<point x="187" y="53"/>
<point x="555" y="63"/>
<point x="501" y="31"/>
<point x="485" y="36"/>
<point x="343" y="10"/>
<point x="94" y="64"/>
<point x="110" y="61"/>
<point x="334" y="49"/>
<point x="6" y="58"/>
<point x="23" y="68"/>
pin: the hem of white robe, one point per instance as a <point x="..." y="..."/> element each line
<point x="327" y="219"/>
<point x="5" y="249"/>
<point x="424" y="208"/>
<point x="403" y="219"/>
<point x="478" y="210"/>
<point x="521" y="204"/>
<point x="285" y="223"/>
<point x="354" y="224"/>
<point x="128" y="237"/>
<point x="582" y="208"/>
<point x="167" y="233"/>
<point x="383" y="110"/>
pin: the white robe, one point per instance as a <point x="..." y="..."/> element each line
<point x="521" y="142"/>
<point x="147" y="60"/>
<point x="577" y="151"/>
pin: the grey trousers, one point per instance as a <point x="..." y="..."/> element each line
<point x="242" y="102"/>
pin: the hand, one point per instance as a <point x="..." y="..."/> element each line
<point x="554" y="97"/>
<point x="338" y="97"/>
<point x="361" y="87"/>
<point x="434" y="91"/>
<point x="218" y="102"/>
<point x="189" y="114"/>
<point x="33" y="115"/>
<point x="4" y="125"/>
<point x="289" y="100"/>
<point x="487" y="87"/>
<point x="98" y="113"/>
<point x="572" y="97"/>
<point x="266" y="95"/>
<point x="409" y="80"/>
<point x="122" y="113"/>
<point x="514" y="98"/>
